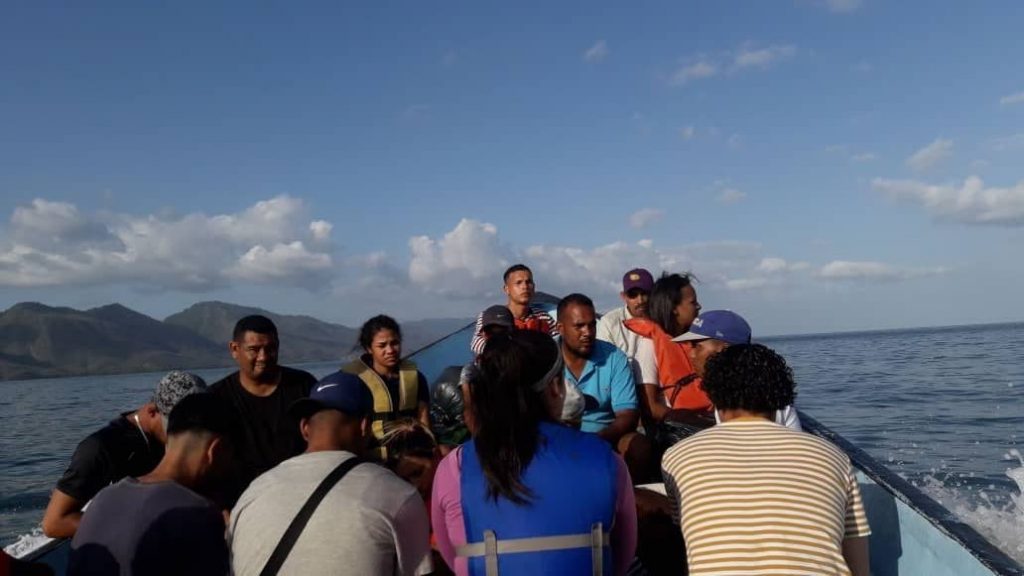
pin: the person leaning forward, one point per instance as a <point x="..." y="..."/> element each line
<point x="398" y="389"/>
<point x="369" y="521"/>
<point x="130" y="445"/>
<point x="259" y="392"/>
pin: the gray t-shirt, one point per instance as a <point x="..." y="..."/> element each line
<point x="371" y="522"/>
<point x="159" y="528"/>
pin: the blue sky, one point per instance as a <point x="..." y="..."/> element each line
<point x="820" y="165"/>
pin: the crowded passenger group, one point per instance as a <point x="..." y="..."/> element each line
<point x="657" y="438"/>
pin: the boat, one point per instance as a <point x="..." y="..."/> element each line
<point x="911" y="532"/>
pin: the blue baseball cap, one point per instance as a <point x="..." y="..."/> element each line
<point x="338" y="391"/>
<point x="724" y="325"/>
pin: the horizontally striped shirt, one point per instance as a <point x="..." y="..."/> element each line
<point x="753" y="497"/>
<point x="538" y="319"/>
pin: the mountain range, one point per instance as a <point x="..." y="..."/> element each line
<point x="38" y="341"/>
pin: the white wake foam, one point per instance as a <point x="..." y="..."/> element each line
<point x="1001" y="520"/>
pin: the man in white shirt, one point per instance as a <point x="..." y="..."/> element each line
<point x="370" y="522"/>
<point x="636" y="288"/>
<point x="716" y="330"/>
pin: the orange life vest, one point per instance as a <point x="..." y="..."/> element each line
<point x="677" y="379"/>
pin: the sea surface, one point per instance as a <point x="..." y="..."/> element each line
<point x="943" y="407"/>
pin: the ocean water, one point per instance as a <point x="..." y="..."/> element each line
<point x="942" y="407"/>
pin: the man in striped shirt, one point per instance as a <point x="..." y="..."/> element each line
<point x="519" y="288"/>
<point x="754" y="497"/>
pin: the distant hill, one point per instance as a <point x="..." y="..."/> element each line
<point x="42" y="341"/>
<point x="303" y="338"/>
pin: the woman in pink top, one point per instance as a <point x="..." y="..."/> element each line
<point x="523" y="483"/>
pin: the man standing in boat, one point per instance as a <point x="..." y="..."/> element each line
<point x="519" y="288"/>
<point x="130" y="445"/>
<point x="636" y="289"/>
<point x="260" y="392"/>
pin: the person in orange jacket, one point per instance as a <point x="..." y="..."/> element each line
<point x="670" y="385"/>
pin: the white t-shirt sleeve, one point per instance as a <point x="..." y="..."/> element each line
<point x="412" y="538"/>
<point x="788" y="418"/>
<point x="646" y="364"/>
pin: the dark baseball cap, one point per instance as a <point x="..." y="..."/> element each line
<point x="497" y="315"/>
<point x="637" y="278"/>
<point x="338" y="391"/>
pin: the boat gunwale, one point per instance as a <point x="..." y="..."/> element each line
<point x="942" y="518"/>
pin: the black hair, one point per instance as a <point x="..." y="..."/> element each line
<point x="203" y="412"/>
<point x="749" y="377"/>
<point x="574" y="298"/>
<point x="515" y="268"/>
<point x="666" y="294"/>
<point x="254" y="323"/>
<point x="508" y="410"/>
<point x="374" y="325"/>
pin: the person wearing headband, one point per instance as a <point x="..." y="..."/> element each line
<point x="561" y="498"/>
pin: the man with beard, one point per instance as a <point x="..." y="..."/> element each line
<point x="260" y="393"/>
<point x="636" y="289"/>
<point x="602" y="373"/>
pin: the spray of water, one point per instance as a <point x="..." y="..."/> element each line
<point x="1000" y="520"/>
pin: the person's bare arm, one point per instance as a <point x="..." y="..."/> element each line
<point x="855" y="552"/>
<point x="423" y="414"/>
<point x="62" y="516"/>
<point x="624" y="423"/>
<point x="653" y="406"/>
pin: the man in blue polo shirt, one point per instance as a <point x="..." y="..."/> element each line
<point x="603" y="374"/>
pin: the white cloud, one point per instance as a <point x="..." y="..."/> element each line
<point x="864" y="157"/>
<point x="970" y="203"/>
<point x="843" y="6"/>
<point x="687" y="132"/>
<point x="53" y="243"/>
<point x="730" y="196"/>
<point x="463" y="263"/>
<point x="1012" y="99"/>
<point x="844" y="150"/>
<point x="645" y="217"/>
<point x="597" y="53"/>
<point x="931" y="155"/>
<point x="695" y="71"/>
<point x="747" y="56"/>
<point x="775" y="265"/>
<point x="873" y="271"/>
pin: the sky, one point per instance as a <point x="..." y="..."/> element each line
<point x="819" y="165"/>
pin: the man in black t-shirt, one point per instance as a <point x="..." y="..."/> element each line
<point x="161" y="524"/>
<point x="260" y="392"/>
<point x="130" y="445"/>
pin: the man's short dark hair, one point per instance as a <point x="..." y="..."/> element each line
<point x="516" y="268"/>
<point x="254" y="323"/>
<point x="749" y="377"/>
<point x="574" y="298"/>
<point x="202" y="412"/>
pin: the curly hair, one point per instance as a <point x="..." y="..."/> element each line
<point x="749" y="377"/>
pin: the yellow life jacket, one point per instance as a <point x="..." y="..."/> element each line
<point x="385" y="409"/>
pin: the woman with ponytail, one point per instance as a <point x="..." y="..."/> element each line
<point x="528" y="495"/>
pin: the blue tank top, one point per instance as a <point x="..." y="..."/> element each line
<point x="572" y="477"/>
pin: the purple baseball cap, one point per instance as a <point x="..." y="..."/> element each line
<point x="724" y="325"/>
<point x="637" y="278"/>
